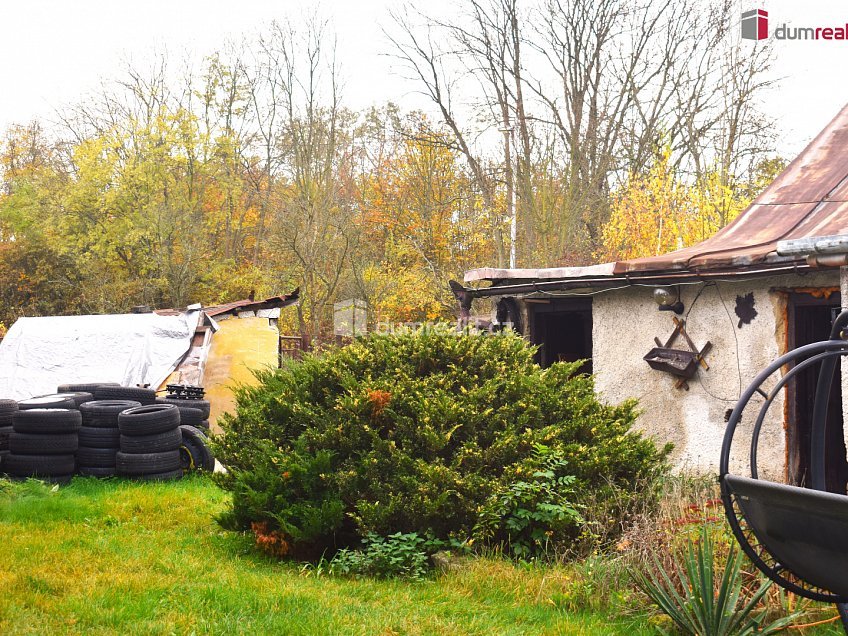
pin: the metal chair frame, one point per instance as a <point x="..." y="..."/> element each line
<point x="763" y="499"/>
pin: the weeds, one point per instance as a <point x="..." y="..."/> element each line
<point x="658" y="542"/>
<point x="396" y="556"/>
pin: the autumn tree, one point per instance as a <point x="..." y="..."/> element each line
<point x="658" y="211"/>
<point x="589" y="88"/>
<point x="246" y="175"/>
<point x="421" y="207"/>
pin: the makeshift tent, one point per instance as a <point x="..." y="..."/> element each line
<point x="38" y="354"/>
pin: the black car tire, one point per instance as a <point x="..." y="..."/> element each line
<point x="47" y="402"/>
<point x="94" y="437"/>
<point x="47" y="421"/>
<point x="145" y="396"/>
<point x="5" y="431"/>
<point x="104" y="413"/>
<point x="96" y="457"/>
<point x="202" y="405"/>
<point x="7" y="409"/>
<point x="87" y="387"/>
<point x="191" y="416"/>
<point x="133" y="464"/>
<point x="194" y="451"/>
<point x="79" y="397"/>
<point x="43" y="444"/>
<point x="149" y="419"/>
<point x="39" y="465"/>
<point x="156" y="443"/>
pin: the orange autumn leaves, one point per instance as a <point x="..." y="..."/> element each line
<point x="420" y="206"/>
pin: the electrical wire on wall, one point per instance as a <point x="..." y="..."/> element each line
<point x="703" y="286"/>
<point x="695" y="299"/>
<point x="735" y="338"/>
<point x="700" y="376"/>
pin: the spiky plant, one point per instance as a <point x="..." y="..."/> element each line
<point x="705" y="600"/>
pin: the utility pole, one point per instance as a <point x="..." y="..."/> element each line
<point x="510" y="192"/>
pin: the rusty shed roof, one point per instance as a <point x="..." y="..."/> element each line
<point x="253" y="305"/>
<point x="809" y="198"/>
<point x="236" y="306"/>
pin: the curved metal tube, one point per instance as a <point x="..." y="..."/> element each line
<point x="733" y="422"/>
<point x="755" y="435"/>
<point x="828" y="353"/>
<point x="818" y="433"/>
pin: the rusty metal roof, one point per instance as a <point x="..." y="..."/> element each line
<point x="809" y="198"/>
<point x="253" y="305"/>
<point x="494" y="273"/>
<point x="247" y="304"/>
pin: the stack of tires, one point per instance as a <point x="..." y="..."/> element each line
<point x="99" y="436"/>
<point x="44" y="439"/>
<point x="7" y="410"/>
<point x="150" y="439"/>
<point x="194" y="412"/>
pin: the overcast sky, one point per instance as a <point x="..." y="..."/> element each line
<point x="52" y="52"/>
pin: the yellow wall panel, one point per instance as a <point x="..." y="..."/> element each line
<point x="239" y="346"/>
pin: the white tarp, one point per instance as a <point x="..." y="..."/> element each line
<point x="38" y="354"/>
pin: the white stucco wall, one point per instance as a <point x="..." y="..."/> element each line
<point x="624" y="325"/>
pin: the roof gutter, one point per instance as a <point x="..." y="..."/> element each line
<point x="662" y="278"/>
<point x="820" y="251"/>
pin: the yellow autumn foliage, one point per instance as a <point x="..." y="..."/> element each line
<point x="657" y="212"/>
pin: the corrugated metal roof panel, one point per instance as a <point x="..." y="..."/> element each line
<point x="253" y="305"/>
<point x="754" y="235"/>
<point x="494" y="273"/>
<point x="820" y="169"/>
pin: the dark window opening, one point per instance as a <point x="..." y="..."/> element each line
<point x="810" y="320"/>
<point x="563" y="331"/>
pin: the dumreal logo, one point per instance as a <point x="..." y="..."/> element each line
<point x="755" y="24"/>
<point x="755" y="27"/>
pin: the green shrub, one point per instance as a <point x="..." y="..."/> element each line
<point x="422" y="432"/>
<point x="396" y="556"/>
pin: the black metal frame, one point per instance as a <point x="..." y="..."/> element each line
<point x="828" y="353"/>
<point x="185" y="391"/>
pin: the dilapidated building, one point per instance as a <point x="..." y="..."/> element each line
<point x="685" y="332"/>
<point x="214" y="347"/>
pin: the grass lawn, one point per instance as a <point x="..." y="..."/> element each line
<point x="123" y="557"/>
